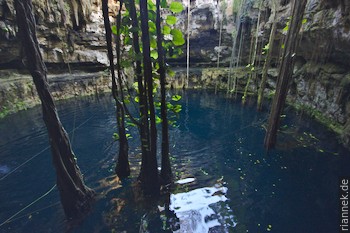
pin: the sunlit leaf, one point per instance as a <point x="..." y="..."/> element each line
<point x="176" y="7"/>
<point x="171" y="20"/>
<point x="152" y="26"/>
<point x="158" y="120"/>
<point x="114" y="29"/>
<point x="116" y="136"/>
<point x="166" y="30"/>
<point x="178" y="39"/>
<point x="154" y="54"/>
<point x="176" y="97"/>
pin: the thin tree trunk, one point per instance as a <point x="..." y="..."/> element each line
<point x="285" y="72"/>
<point x="166" y="174"/>
<point x="151" y="182"/>
<point x="122" y="168"/>
<point x="267" y="61"/>
<point x="143" y="106"/>
<point x="76" y="197"/>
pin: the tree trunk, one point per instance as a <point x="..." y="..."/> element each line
<point x="122" y="168"/>
<point x="267" y="61"/>
<point x="285" y="72"/>
<point x="151" y="182"/>
<point x="76" y="198"/>
<point x="166" y="174"/>
<point x="143" y="106"/>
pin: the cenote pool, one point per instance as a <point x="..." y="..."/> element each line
<point x="227" y="181"/>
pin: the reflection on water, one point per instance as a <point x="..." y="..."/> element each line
<point x="202" y="209"/>
<point x="215" y="137"/>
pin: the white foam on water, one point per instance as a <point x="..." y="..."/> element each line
<point x="194" y="211"/>
<point x="185" y="181"/>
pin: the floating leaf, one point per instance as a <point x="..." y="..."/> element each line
<point x="171" y="20"/>
<point x="176" y="7"/>
<point x="178" y="39"/>
<point x="116" y="136"/>
<point x="176" y="97"/>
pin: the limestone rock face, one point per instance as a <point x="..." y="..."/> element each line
<point x="67" y="30"/>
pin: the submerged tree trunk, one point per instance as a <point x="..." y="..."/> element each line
<point x="268" y="59"/>
<point x="150" y="179"/>
<point x="285" y="72"/>
<point x="122" y="168"/>
<point x="76" y="198"/>
<point x="166" y="174"/>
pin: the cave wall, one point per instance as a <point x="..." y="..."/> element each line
<point x="72" y="32"/>
<point x="68" y="31"/>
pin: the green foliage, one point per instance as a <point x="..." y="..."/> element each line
<point x="176" y="97"/>
<point x="116" y="136"/>
<point x="178" y="38"/>
<point x="171" y="20"/>
<point x="176" y="7"/>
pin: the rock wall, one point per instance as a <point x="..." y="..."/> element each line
<point x="71" y="31"/>
<point x="67" y="30"/>
<point x="17" y="90"/>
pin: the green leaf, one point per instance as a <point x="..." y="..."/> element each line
<point x="152" y="26"/>
<point x="137" y="99"/>
<point x="131" y="124"/>
<point x="116" y="136"/>
<point x="178" y="39"/>
<point x="154" y="54"/>
<point x="158" y="120"/>
<point x="177" y="108"/>
<point x="171" y="73"/>
<point x="153" y="43"/>
<point x="134" y="29"/>
<point x="171" y="20"/>
<point x="176" y="7"/>
<point x="114" y="29"/>
<point x="163" y="4"/>
<point x="304" y="21"/>
<point x="282" y="46"/>
<point x="176" y="97"/>
<point x="128" y="136"/>
<point x="166" y="30"/>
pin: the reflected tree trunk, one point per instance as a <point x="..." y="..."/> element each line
<point x="76" y="197"/>
<point x="285" y="72"/>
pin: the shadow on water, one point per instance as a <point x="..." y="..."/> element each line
<point x="226" y="182"/>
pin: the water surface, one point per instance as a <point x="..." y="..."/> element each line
<point x="235" y="185"/>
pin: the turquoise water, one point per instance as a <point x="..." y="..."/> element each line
<point x="235" y="184"/>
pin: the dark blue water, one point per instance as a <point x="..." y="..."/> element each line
<point x="237" y="186"/>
